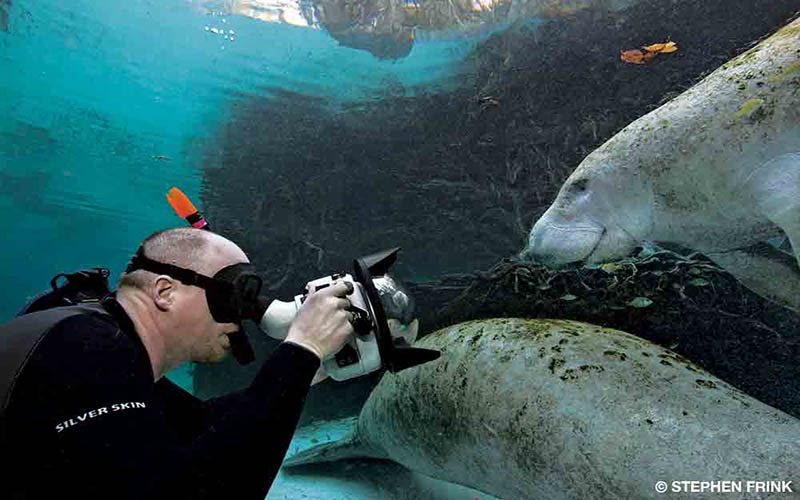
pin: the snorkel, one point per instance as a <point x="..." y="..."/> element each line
<point x="383" y="324"/>
<point x="185" y="209"/>
<point x="241" y="349"/>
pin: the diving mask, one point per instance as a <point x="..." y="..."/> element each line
<point x="232" y="293"/>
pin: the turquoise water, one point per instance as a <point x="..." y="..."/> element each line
<point x="104" y="105"/>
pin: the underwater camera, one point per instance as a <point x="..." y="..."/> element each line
<point x="384" y="324"/>
<point x="383" y="309"/>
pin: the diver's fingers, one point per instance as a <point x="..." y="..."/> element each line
<point x="338" y="289"/>
<point x="342" y="288"/>
<point x="342" y="303"/>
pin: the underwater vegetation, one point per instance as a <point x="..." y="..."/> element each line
<point x="454" y="175"/>
<point x="678" y="299"/>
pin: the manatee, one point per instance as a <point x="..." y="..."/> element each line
<point x="524" y="408"/>
<point x="716" y="169"/>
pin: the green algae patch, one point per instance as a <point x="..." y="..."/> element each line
<point x="789" y="72"/>
<point x="788" y="31"/>
<point x="750" y="108"/>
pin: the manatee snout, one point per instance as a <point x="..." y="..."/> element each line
<point x="599" y="215"/>
<point x="554" y="242"/>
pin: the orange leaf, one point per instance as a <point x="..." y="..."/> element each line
<point x="632" y="56"/>
<point x="656" y="47"/>
<point x="669" y="47"/>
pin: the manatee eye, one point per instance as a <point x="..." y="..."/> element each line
<point x="579" y="185"/>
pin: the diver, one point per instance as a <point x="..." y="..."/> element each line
<point x="90" y="414"/>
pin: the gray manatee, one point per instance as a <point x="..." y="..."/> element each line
<point x="558" y="409"/>
<point x="715" y="169"/>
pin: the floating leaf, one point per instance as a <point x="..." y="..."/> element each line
<point x="656" y="47"/>
<point x="568" y="297"/>
<point x="632" y="56"/>
<point x="669" y="47"/>
<point x="636" y="56"/>
<point x="662" y="48"/>
<point x="698" y="282"/>
<point x="640" y="302"/>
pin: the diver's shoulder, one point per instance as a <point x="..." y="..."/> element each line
<point x="90" y="328"/>
<point x="71" y="330"/>
<point x="53" y="315"/>
<point x="86" y="346"/>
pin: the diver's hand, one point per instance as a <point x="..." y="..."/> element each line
<point x="323" y="323"/>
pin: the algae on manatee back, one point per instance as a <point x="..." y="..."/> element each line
<point x="749" y="108"/>
<point x="789" y="72"/>
<point x="534" y="407"/>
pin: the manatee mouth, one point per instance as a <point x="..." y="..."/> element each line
<point x="614" y="244"/>
<point x="587" y="258"/>
<point x="561" y="245"/>
<point x="592" y="254"/>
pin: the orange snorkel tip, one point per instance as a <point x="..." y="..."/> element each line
<point x="185" y="209"/>
<point x="180" y="203"/>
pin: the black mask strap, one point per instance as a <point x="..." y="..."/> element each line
<point x="186" y="276"/>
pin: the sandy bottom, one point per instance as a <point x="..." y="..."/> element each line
<point x="357" y="479"/>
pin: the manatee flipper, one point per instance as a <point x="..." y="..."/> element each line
<point x="774" y="189"/>
<point x="782" y="243"/>
<point x="777" y="193"/>
<point x="346" y="448"/>
<point x="765" y="270"/>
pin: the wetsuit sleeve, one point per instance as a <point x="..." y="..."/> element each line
<point x="91" y="400"/>
<point x="239" y="455"/>
<point x="188" y="415"/>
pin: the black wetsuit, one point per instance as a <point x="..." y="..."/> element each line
<point x="86" y="420"/>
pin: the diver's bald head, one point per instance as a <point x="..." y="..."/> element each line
<point x="201" y="251"/>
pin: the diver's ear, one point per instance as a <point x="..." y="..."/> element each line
<point x="164" y="292"/>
